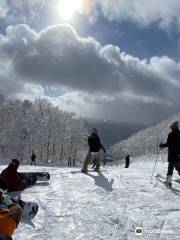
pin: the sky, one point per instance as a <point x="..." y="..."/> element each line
<point x="108" y="59"/>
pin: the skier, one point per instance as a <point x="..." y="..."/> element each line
<point x="173" y="144"/>
<point x="10" y="213"/>
<point x="14" y="180"/>
<point x="127" y="161"/>
<point x="94" y="150"/>
<point x="33" y="158"/>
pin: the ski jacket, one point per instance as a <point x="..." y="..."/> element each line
<point x="95" y="143"/>
<point x="13" y="179"/>
<point x="9" y="219"/>
<point x="173" y="144"/>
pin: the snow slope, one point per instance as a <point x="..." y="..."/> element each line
<point x="145" y="141"/>
<point x="105" y="206"/>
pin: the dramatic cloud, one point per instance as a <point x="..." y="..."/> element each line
<point x="140" y="11"/>
<point x="20" y="10"/>
<point x="105" y="78"/>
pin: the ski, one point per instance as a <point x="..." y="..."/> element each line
<point x="174" y="190"/>
<point x="173" y="180"/>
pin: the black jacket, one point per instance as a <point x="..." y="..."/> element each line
<point x="173" y="144"/>
<point x="94" y="143"/>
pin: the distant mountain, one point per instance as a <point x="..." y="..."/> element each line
<point x="145" y="141"/>
<point x="112" y="132"/>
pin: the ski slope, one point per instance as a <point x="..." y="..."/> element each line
<point x="105" y="206"/>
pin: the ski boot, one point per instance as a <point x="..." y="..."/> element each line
<point x="168" y="183"/>
<point x="96" y="170"/>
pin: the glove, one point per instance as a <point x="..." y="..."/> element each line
<point x="161" y="145"/>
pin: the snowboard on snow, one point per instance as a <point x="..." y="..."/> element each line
<point x="36" y="176"/>
<point x="29" y="210"/>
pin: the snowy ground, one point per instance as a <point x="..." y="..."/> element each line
<point x="105" y="206"/>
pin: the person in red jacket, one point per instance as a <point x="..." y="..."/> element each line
<point x="14" y="180"/>
<point x="12" y="177"/>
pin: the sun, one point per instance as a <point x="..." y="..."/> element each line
<point x="67" y="8"/>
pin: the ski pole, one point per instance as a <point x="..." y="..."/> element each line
<point x="154" y="168"/>
<point x="155" y="161"/>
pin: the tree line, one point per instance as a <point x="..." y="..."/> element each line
<point x="53" y="134"/>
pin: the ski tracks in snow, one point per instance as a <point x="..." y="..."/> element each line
<point x="105" y="206"/>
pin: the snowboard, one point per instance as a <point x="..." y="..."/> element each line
<point x="29" y="209"/>
<point x="37" y="176"/>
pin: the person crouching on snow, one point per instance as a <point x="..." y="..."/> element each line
<point x="173" y="145"/>
<point x="14" y="180"/>
<point x="95" y="146"/>
<point x="10" y="213"/>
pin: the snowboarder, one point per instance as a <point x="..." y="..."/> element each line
<point x="14" y="180"/>
<point x="173" y="144"/>
<point x="10" y="213"/>
<point x="33" y="158"/>
<point x="94" y="150"/>
<point x="127" y="161"/>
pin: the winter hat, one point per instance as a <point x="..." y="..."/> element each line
<point x="174" y="125"/>
<point x="15" y="162"/>
<point x="94" y="130"/>
<point x="3" y="185"/>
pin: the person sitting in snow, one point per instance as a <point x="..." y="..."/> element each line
<point x="10" y="213"/>
<point x="14" y="180"/>
<point x="94" y="150"/>
<point x="173" y="145"/>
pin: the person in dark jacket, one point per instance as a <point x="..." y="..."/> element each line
<point x="33" y="158"/>
<point x="127" y="159"/>
<point x="173" y="145"/>
<point x="14" y="180"/>
<point x="95" y="146"/>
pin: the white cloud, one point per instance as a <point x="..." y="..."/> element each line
<point x="140" y="11"/>
<point x="3" y="8"/>
<point x="20" y="10"/>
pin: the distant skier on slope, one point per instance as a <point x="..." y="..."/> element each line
<point x="127" y="161"/>
<point x="33" y="158"/>
<point x="173" y="144"/>
<point x="94" y="150"/>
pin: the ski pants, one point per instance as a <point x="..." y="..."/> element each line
<point x="171" y="167"/>
<point x="89" y="157"/>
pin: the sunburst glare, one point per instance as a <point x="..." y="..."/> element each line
<point x="67" y="8"/>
